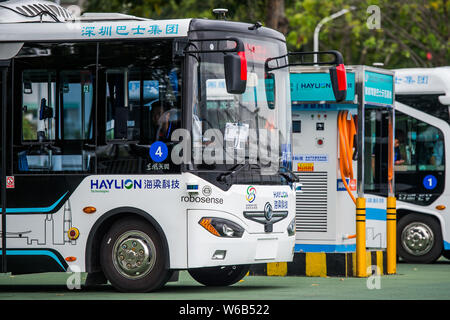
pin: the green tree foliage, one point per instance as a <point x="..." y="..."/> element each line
<point x="247" y="10"/>
<point x="412" y="33"/>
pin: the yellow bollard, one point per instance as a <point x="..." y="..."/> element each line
<point x="391" y="235"/>
<point x="361" y="270"/>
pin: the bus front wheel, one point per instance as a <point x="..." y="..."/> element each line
<point x="419" y="238"/>
<point x="219" y="276"/>
<point x="132" y="256"/>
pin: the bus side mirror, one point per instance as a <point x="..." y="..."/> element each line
<point x="338" y="77"/>
<point x="445" y="100"/>
<point x="235" y="72"/>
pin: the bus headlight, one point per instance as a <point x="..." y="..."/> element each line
<point x="222" y="227"/>
<point x="291" y="228"/>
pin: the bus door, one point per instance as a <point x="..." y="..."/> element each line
<point x="53" y="148"/>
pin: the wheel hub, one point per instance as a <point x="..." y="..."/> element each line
<point x="417" y="238"/>
<point x="134" y="254"/>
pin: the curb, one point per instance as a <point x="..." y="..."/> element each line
<point x="320" y="264"/>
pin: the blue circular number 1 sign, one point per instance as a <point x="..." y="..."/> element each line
<point x="430" y="182"/>
<point x="158" y="151"/>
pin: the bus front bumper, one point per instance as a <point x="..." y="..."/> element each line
<point x="208" y="250"/>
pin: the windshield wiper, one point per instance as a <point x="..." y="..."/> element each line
<point x="289" y="175"/>
<point x="223" y="177"/>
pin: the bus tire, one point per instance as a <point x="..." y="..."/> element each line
<point x="219" y="276"/>
<point x="419" y="238"/>
<point x="132" y="256"/>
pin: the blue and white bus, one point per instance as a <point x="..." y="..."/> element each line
<point x="117" y="158"/>
<point x="422" y="135"/>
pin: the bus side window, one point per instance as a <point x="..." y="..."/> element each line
<point x="38" y="105"/>
<point x="420" y="174"/>
<point x="139" y="103"/>
<point x="76" y="104"/>
<point x="130" y="109"/>
<point x="419" y="146"/>
<point x="54" y="119"/>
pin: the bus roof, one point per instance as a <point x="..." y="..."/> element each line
<point x="38" y="20"/>
<point x="93" y="30"/>
<point x="423" y="81"/>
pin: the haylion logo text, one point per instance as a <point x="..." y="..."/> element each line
<point x="251" y="194"/>
<point x="313" y="85"/>
<point x="114" y="184"/>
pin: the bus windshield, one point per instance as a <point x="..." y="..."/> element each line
<point x="428" y="103"/>
<point x="246" y="131"/>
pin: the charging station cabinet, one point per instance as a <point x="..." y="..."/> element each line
<point x="325" y="212"/>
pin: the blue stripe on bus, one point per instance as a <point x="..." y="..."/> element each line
<point x="446" y="245"/>
<point x="33" y="253"/>
<point x="325" y="248"/>
<point x="42" y="209"/>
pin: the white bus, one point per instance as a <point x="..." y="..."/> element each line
<point x="93" y="117"/>
<point x="422" y="150"/>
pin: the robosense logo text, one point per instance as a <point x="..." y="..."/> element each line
<point x="199" y="199"/>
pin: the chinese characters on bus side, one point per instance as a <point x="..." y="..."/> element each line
<point x="105" y="185"/>
<point x="420" y="79"/>
<point x="280" y="204"/>
<point x="123" y="30"/>
<point x="161" y="184"/>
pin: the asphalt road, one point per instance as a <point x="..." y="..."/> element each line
<point x="412" y="281"/>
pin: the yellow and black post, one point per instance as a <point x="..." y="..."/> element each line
<point x="361" y="262"/>
<point x="391" y="207"/>
<point x="391" y="236"/>
<point x="361" y="268"/>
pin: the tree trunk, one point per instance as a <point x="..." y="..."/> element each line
<point x="276" y="17"/>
